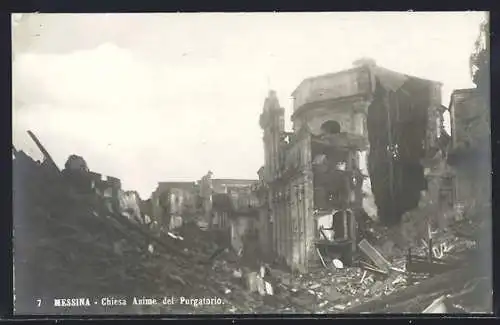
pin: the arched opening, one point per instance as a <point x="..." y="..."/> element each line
<point x="330" y="127"/>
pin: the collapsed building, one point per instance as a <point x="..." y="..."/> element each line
<point x="172" y="202"/>
<point x="229" y="209"/>
<point x="226" y="207"/>
<point x="108" y="188"/>
<point x="358" y="142"/>
<point x="236" y="191"/>
<point x="219" y="198"/>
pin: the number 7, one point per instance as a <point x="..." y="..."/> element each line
<point x="39" y="302"/>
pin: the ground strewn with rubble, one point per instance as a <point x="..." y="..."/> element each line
<point x="68" y="243"/>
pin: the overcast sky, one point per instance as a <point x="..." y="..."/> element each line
<point x="157" y="97"/>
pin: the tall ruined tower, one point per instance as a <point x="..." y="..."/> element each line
<point x="272" y="121"/>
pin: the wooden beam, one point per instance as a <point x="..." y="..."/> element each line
<point x="321" y="257"/>
<point x="377" y="258"/>
<point x="43" y="150"/>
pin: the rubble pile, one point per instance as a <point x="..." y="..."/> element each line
<point x="443" y="269"/>
<point x="410" y="283"/>
<point x="71" y="245"/>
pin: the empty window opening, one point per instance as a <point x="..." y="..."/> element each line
<point x="330" y="127"/>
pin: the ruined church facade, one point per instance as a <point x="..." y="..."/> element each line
<point x="353" y="151"/>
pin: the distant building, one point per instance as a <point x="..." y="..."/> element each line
<point x="223" y="198"/>
<point x="240" y="191"/>
<point x="172" y="201"/>
<point x="108" y="188"/>
<point x="222" y="210"/>
<point x="230" y="208"/>
<point x="130" y="202"/>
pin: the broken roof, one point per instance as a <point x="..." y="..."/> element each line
<point x="389" y="78"/>
<point x="326" y="75"/>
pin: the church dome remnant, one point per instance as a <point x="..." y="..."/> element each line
<point x="365" y="61"/>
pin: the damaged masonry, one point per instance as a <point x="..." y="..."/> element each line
<point x="368" y="205"/>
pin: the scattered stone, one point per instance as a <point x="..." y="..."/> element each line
<point x="436" y="307"/>
<point x="286" y="281"/>
<point x="315" y="286"/>
<point x="338" y="264"/>
<point x="269" y="288"/>
<point x="261" y="288"/>
<point x="332" y="294"/>
<point x="237" y="274"/>
<point x="377" y="286"/>
<point x="251" y="281"/>
<point x="339" y="307"/>
<point x="399" y="279"/>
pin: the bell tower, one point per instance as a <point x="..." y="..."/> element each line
<point x="272" y="121"/>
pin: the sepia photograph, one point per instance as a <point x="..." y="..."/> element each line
<point x="251" y="163"/>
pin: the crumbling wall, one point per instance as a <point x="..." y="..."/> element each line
<point x="242" y="227"/>
<point x="239" y="227"/>
<point x="291" y="206"/>
<point x="470" y="156"/>
<point x="265" y="230"/>
<point x="129" y="205"/>
<point x="397" y="124"/>
<point x="368" y="202"/>
<point x="309" y="232"/>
